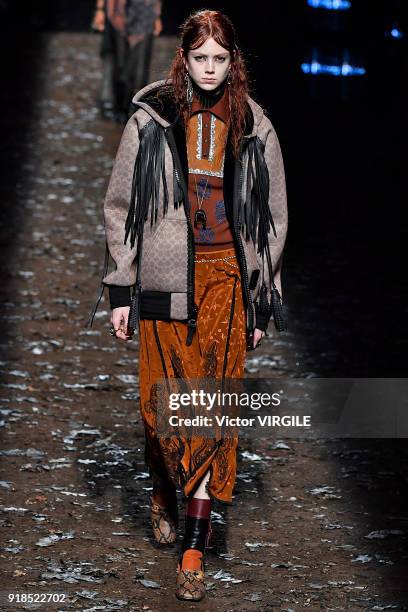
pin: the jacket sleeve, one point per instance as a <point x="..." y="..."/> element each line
<point x="278" y="208"/>
<point x="116" y="208"/>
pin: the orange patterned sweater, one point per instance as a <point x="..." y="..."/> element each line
<point x="207" y="132"/>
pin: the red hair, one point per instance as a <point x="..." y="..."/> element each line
<point x="196" y="29"/>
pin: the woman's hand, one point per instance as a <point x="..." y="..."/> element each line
<point x="258" y="335"/>
<point x="98" y="22"/>
<point x="158" y="26"/>
<point x="119" y="320"/>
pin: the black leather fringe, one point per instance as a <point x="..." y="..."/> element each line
<point x="277" y="311"/>
<point x="91" y="317"/>
<point x="256" y="220"/>
<point x="254" y="213"/>
<point x="149" y="173"/>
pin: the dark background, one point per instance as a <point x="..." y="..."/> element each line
<point x="344" y="278"/>
<point x="343" y="141"/>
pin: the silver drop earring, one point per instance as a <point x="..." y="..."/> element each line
<point x="229" y="77"/>
<point x="189" y="88"/>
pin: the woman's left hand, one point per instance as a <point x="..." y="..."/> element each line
<point x="98" y="23"/>
<point x="258" y="335"/>
<point x="158" y="26"/>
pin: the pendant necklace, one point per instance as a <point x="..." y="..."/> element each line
<point x="200" y="218"/>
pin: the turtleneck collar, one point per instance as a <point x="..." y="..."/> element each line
<point x="209" y="98"/>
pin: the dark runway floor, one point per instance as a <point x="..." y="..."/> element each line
<point x="315" y="524"/>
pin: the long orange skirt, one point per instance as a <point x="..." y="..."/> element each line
<point x="217" y="351"/>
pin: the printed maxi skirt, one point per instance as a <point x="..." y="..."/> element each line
<point x="217" y="351"/>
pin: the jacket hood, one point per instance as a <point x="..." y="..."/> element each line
<point x="163" y="109"/>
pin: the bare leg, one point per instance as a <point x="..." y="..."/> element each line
<point x="201" y="491"/>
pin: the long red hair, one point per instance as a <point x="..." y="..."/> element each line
<point x="195" y="30"/>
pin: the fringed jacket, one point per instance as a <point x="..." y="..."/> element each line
<point x="149" y="235"/>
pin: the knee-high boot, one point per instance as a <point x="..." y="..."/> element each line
<point x="190" y="569"/>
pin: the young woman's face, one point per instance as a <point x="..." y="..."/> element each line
<point x="208" y="65"/>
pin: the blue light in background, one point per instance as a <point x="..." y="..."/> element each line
<point x="396" y="33"/>
<point x="334" y="5"/>
<point x="344" y="69"/>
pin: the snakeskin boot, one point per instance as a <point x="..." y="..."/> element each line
<point x="164" y="519"/>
